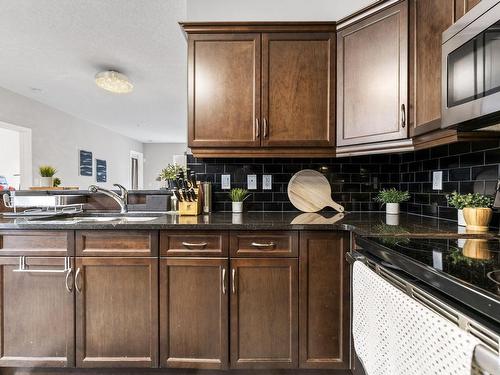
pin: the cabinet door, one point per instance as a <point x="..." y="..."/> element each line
<point x="194" y="313"/>
<point x="372" y="70"/>
<point x="264" y="313"/>
<point x="117" y="312"/>
<point x="224" y="90"/>
<point x="428" y="20"/>
<point x="298" y="89"/>
<point x="463" y="6"/>
<point x="324" y="300"/>
<point x="37" y="314"/>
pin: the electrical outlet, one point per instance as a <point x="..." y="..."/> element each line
<point x="252" y="182"/>
<point x="437" y="180"/>
<point x="226" y="181"/>
<point x="267" y="182"/>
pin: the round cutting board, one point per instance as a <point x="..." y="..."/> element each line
<point x="310" y="191"/>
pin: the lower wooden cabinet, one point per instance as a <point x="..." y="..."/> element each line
<point x="116" y="312"/>
<point x="324" y="300"/>
<point x="194" y="313"/>
<point x="264" y="313"/>
<point x="37" y="315"/>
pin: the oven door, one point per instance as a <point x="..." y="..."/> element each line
<point x="471" y="74"/>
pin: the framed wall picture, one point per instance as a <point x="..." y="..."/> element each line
<point x="101" y="170"/>
<point x="85" y="163"/>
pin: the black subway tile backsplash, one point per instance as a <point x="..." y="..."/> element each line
<point x="467" y="167"/>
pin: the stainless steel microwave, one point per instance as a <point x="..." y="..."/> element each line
<point x="471" y="69"/>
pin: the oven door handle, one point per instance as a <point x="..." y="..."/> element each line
<point x="353" y="256"/>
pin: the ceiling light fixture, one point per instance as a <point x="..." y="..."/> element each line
<point x="115" y="82"/>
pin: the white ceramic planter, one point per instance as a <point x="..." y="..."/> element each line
<point x="237" y="218"/>
<point x="392" y="208"/>
<point x="237" y="207"/>
<point x="461" y="218"/>
<point x="391" y="219"/>
<point x="46" y="181"/>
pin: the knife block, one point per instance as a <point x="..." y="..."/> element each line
<point x="191" y="208"/>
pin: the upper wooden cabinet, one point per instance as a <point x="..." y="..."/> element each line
<point x="224" y="90"/>
<point x="372" y="71"/>
<point x="261" y="89"/>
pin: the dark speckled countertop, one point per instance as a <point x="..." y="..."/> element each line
<point x="362" y="223"/>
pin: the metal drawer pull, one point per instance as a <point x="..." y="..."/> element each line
<point x="77" y="274"/>
<point x="265" y="127"/>
<point x="23" y="267"/>
<point x="69" y="288"/>
<point x="223" y="281"/>
<point x="232" y="280"/>
<point x="257" y="128"/>
<point x="403" y="116"/>
<point x="189" y="244"/>
<point x="257" y="244"/>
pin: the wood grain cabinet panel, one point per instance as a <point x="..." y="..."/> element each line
<point x="324" y="301"/>
<point x="428" y="20"/>
<point x="194" y="313"/>
<point x="298" y="89"/>
<point x="372" y="75"/>
<point x="36" y="243"/>
<point x="269" y="244"/>
<point x="123" y="243"/>
<point x="117" y="312"/>
<point x="463" y="6"/>
<point x="264" y="315"/>
<point x="37" y="315"/>
<point x="224" y="90"/>
<point x="194" y="243"/>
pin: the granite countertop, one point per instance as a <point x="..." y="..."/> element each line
<point x="362" y="223"/>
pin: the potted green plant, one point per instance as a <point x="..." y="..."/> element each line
<point x="170" y="172"/>
<point x="56" y="182"/>
<point x="392" y="198"/>
<point x="46" y="175"/>
<point x="458" y="201"/>
<point x="237" y="196"/>
<point x="478" y="212"/>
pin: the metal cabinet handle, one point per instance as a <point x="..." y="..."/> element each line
<point x="200" y="244"/>
<point x="23" y="267"/>
<point x="224" y="281"/>
<point x="265" y="127"/>
<point x="268" y="244"/>
<point x="69" y="287"/>
<point x="233" y="277"/>
<point x="403" y="115"/>
<point x="257" y="128"/>
<point x="77" y="274"/>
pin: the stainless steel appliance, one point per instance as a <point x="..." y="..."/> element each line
<point x="471" y="69"/>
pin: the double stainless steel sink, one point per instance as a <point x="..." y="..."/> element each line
<point x="101" y="217"/>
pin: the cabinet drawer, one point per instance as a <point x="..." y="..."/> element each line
<point x="116" y="243"/>
<point x="264" y="244"/>
<point x="40" y="243"/>
<point x="194" y="243"/>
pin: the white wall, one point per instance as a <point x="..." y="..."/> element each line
<point x="272" y="10"/>
<point x="57" y="137"/>
<point x="156" y="157"/>
<point x="10" y="156"/>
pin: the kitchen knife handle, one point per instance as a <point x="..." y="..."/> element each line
<point x="223" y="280"/>
<point x="233" y="282"/>
<point x="257" y="128"/>
<point x="265" y="127"/>
<point x="403" y="115"/>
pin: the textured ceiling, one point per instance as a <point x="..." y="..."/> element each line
<point x="51" y="50"/>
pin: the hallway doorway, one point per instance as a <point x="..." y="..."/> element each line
<point x="16" y="155"/>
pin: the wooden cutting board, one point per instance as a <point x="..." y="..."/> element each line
<point x="310" y="191"/>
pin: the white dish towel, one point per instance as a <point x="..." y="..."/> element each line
<point x="395" y="335"/>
